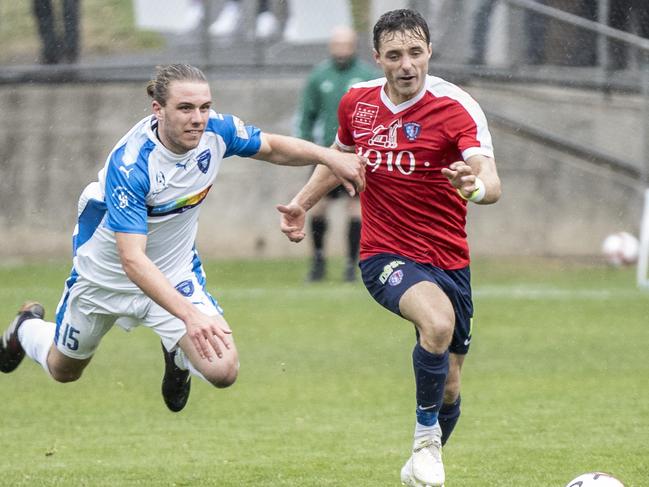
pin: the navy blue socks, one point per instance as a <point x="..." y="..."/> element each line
<point x="431" y="370"/>
<point x="448" y="416"/>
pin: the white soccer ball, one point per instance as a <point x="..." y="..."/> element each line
<point x="620" y="249"/>
<point x="595" y="479"/>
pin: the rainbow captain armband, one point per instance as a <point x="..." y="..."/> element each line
<point x="478" y="193"/>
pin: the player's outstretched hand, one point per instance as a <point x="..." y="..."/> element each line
<point x="209" y="334"/>
<point x="461" y="177"/>
<point x="292" y="221"/>
<point x="349" y="168"/>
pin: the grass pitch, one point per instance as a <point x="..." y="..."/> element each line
<point x="555" y="385"/>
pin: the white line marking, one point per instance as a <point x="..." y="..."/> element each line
<point x="518" y="292"/>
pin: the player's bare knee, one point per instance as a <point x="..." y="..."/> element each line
<point x="64" y="369"/>
<point x="64" y="375"/>
<point x="435" y="336"/>
<point x="222" y="380"/>
<point x="227" y="379"/>
<point x="225" y="375"/>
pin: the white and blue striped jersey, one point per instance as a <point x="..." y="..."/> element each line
<point x="146" y="189"/>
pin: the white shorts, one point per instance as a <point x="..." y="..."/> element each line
<point x="86" y="312"/>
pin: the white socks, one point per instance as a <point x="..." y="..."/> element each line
<point x="422" y="431"/>
<point x="36" y="337"/>
<point x="182" y="362"/>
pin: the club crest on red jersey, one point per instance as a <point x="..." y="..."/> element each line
<point x="412" y="130"/>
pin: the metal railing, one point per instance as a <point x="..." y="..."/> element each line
<point x="605" y="32"/>
<point x="577" y="21"/>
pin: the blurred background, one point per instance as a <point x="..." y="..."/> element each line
<point x="564" y="85"/>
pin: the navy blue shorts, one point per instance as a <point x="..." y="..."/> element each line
<point x="388" y="276"/>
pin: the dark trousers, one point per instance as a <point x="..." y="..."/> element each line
<point x="58" y="45"/>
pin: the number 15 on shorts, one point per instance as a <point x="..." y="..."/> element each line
<point x="69" y="338"/>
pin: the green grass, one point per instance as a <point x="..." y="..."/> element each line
<point x="107" y="26"/>
<point x="555" y="385"/>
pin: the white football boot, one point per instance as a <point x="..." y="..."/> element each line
<point x="425" y="468"/>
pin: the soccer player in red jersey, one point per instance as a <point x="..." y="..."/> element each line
<point x="430" y="153"/>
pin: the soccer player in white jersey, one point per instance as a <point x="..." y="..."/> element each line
<point x="134" y="255"/>
<point x="429" y="152"/>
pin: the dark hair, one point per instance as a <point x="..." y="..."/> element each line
<point x="401" y="20"/>
<point x="158" y="87"/>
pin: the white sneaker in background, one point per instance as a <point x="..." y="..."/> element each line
<point x="227" y="21"/>
<point x="267" y="25"/>
<point x="193" y="17"/>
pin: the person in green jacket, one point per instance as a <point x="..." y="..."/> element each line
<point x="318" y="122"/>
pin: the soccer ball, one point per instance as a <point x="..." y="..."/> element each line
<point x="620" y="249"/>
<point x="595" y="479"/>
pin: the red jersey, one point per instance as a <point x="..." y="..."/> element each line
<point x="409" y="207"/>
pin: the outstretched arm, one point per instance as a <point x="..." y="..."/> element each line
<point x="476" y="179"/>
<point x="349" y="168"/>
<point x="207" y="333"/>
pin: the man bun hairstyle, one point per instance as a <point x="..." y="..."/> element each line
<point x="400" y="20"/>
<point x="158" y="87"/>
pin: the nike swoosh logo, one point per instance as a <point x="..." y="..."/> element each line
<point x="421" y="408"/>
<point x="360" y="134"/>
<point x="467" y="341"/>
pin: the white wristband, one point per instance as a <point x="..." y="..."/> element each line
<point x="478" y="193"/>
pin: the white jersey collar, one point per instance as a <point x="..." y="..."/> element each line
<point x="151" y="130"/>
<point x="406" y="104"/>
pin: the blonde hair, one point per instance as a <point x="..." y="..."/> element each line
<point x="158" y="87"/>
